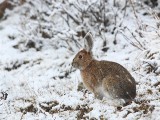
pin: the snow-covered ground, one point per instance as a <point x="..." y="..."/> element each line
<point x="39" y="39"/>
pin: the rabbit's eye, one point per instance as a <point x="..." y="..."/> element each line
<point x="80" y="56"/>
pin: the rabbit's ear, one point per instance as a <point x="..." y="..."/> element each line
<point x="88" y="42"/>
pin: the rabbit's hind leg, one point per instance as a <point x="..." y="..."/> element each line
<point x="111" y="91"/>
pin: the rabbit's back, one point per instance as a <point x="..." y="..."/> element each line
<point x="117" y="80"/>
<point x="112" y="77"/>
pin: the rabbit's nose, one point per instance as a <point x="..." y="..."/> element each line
<point x="73" y="63"/>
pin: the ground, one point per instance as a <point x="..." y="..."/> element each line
<point x="39" y="39"/>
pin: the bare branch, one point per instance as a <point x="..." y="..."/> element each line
<point x="72" y="17"/>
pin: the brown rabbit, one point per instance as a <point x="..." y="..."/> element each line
<point x="104" y="78"/>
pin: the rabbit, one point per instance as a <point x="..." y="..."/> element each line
<point x="104" y="78"/>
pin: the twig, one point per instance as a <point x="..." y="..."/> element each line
<point x="132" y="43"/>
<point x="124" y="14"/>
<point x="135" y="38"/>
<point x="72" y="17"/>
<point x="138" y="23"/>
<point x="22" y="116"/>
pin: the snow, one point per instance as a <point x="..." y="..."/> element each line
<point x="38" y="41"/>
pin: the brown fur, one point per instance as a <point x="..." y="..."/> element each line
<point x="104" y="78"/>
<point x="110" y="75"/>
